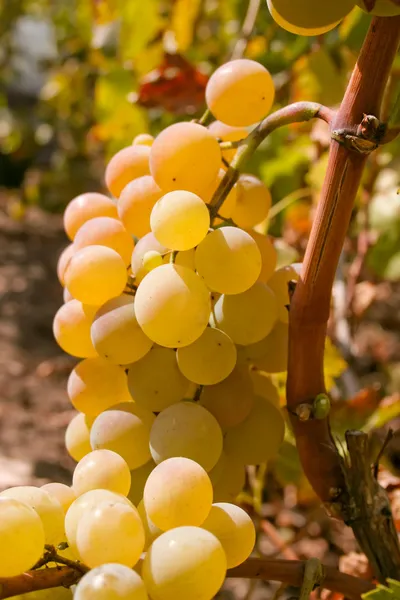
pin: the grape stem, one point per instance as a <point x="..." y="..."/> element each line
<point x="288" y="571"/>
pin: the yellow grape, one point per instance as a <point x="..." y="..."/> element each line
<point x="230" y="480"/>
<point x="226" y="133"/>
<point x="110" y="532"/>
<point x="77" y="437"/>
<point x="180" y="220"/>
<point x="151" y="531"/>
<point x="155" y="382"/>
<point x="189" y="430"/>
<point x="57" y="593"/>
<point x="138" y="479"/>
<point x="116" y="334"/>
<point x="172" y="306"/>
<point x="125" y="429"/>
<point x="233" y="527"/>
<point x="63" y="261"/>
<point x="185" y="156"/>
<point x="148" y="243"/>
<point x="95" y="385"/>
<point x="240" y="92"/>
<point x="186" y="259"/>
<point x="22" y="537"/>
<point x="229" y="204"/>
<point x="268" y="254"/>
<point x="85" y="207"/>
<point x="101" y="469"/>
<point x="143" y="139"/>
<point x="271" y="353"/>
<point x="86" y="501"/>
<point x="95" y="274"/>
<point x="177" y="492"/>
<point x="258" y="438"/>
<point x="279" y="284"/>
<point x="186" y="562"/>
<point x="61" y="492"/>
<point x="210" y="359"/>
<point x="151" y="260"/>
<point x="311" y="17"/>
<point x="248" y="317"/>
<point x="136" y="203"/>
<point x="111" y="582"/>
<point x="127" y="164"/>
<point x="48" y="508"/>
<point x="252" y="203"/>
<point x="231" y="400"/>
<point x="382" y="8"/>
<point x="105" y="231"/>
<point x="71" y="328"/>
<point x="263" y="386"/>
<point x="228" y="260"/>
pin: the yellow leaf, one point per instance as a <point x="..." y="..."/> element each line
<point x="184" y="16"/>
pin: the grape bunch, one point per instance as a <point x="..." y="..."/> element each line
<point x="179" y="317"/>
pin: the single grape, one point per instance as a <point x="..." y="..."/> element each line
<point x="116" y="334"/>
<point x="258" y="438"/>
<point x="148" y="243"/>
<point x="311" y="17"/>
<point x="101" y="469"/>
<point x="22" y="537"/>
<point x="240" y="92"/>
<point x="180" y="220"/>
<point x="189" y="430"/>
<point x="151" y="260"/>
<point x="155" y="382"/>
<point x="252" y="203"/>
<point x="186" y="259"/>
<point x="129" y="163"/>
<point x="185" y="156"/>
<point x="233" y="527"/>
<point x="151" y="531"/>
<point x="125" y="429"/>
<point x="172" y="306"/>
<point x="177" y="492"/>
<point x="268" y="254"/>
<point x="136" y="203"/>
<point x="111" y="582"/>
<point x="279" y="284"/>
<point x="105" y="231"/>
<point x="228" y="478"/>
<point x="186" y="562"/>
<point x="271" y="353"/>
<point x="85" y="207"/>
<point x="227" y="208"/>
<point x="77" y="437"/>
<point x="143" y="139"/>
<point x="63" y="261"/>
<point x="382" y="8"/>
<point x="71" y="328"/>
<point x="61" y="492"/>
<point x="95" y="385"/>
<point x="138" y="480"/>
<point x="226" y="133"/>
<point x="263" y="386"/>
<point x="228" y="260"/>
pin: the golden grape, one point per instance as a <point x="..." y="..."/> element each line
<point x="226" y="133"/>
<point x="71" y="328"/>
<point x="105" y="231"/>
<point x="63" y="261"/>
<point x="310" y="17"/>
<point x="61" y="492"/>
<point x="268" y="254"/>
<point x="129" y="163"/>
<point x="101" y="469"/>
<point x="271" y="353"/>
<point x="77" y="437"/>
<point x="111" y="581"/>
<point x="253" y="201"/>
<point x="136" y="203"/>
<point x="143" y="139"/>
<point x="85" y="207"/>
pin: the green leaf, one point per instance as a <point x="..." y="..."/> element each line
<point x="382" y="592"/>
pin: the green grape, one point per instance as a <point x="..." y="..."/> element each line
<point x="77" y="437"/>
<point x="155" y="382"/>
<point x="185" y="156"/>
<point x="63" y="262"/>
<point x="186" y="562"/>
<point x="186" y="259"/>
<point x="105" y="231"/>
<point x="95" y="385"/>
<point x="61" y="492"/>
<point x="177" y="492"/>
<point x="116" y="334"/>
<point x="226" y="133"/>
<point x="271" y="353"/>
<point x="110" y="532"/>
<point x="84" y="207"/>
<point x="227" y="208"/>
<point x="148" y="243"/>
<point x="124" y="429"/>
<point x="143" y="139"/>
<point x="111" y="582"/>
<point x="101" y="469"/>
<point x="180" y="220"/>
<point x="151" y="260"/>
<point x="151" y="531"/>
<point x="136" y="203"/>
<point x="258" y="438"/>
<point x="189" y="430"/>
<point x="268" y="255"/>
<point x="263" y="386"/>
<point x="310" y="17"/>
<point x="71" y="328"/>
<point x="279" y="284"/>
<point x="89" y="500"/>
<point x="48" y="508"/>
<point x="240" y="92"/>
<point x="127" y="164"/>
<point x="210" y="359"/>
<point x="247" y="317"/>
<point x="228" y="479"/>
<point x="22" y="537"/>
<point x="95" y="274"/>
<point x="231" y="400"/>
<point x="138" y="479"/>
<point x="253" y="202"/>
<point x="382" y="8"/>
<point x="228" y="260"/>
<point x="172" y="306"/>
<point x="233" y="527"/>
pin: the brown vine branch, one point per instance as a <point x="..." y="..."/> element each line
<point x="288" y="571"/>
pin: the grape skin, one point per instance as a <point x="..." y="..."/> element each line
<point x="101" y="469"/>
<point x="105" y="231"/>
<point x="77" y="437"/>
<point x="136" y="202"/>
<point x="125" y="165"/>
<point x="61" y="492"/>
<point x="111" y="582"/>
<point x="71" y="328"/>
<point x="311" y="17"/>
<point x="85" y="207"/>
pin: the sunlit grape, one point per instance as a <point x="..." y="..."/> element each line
<point x="226" y="133"/>
<point x="77" y="437"/>
<point x="129" y="163"/>
<point x="61" y="492"/>
<point x="143" y="139"/>
<point x="268" y="254"/>
<point x="105" y="231"/>
<point x="71" y="328"/>
<point x="263" y="386"/>
<point x="227" y="208"/>
<point x="279" y="284"/>
<point x="111" y="582"/>
<point x="253" y="201"/>
<point x="101" y="469"/>
<point x="85" y="207"/>
<point x="63" y="261"/>
<point x="311" y="17"/>
<point x="136" y="203"/>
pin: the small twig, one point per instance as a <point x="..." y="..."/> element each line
<point x="386" y="441"/>
<point x="274" y="536"/>
<point x="247" y="29"/>
<point x="204" y="117"/>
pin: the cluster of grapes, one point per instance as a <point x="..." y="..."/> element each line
<point x="179" y="315"/>
<point x="312" y="17"/>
